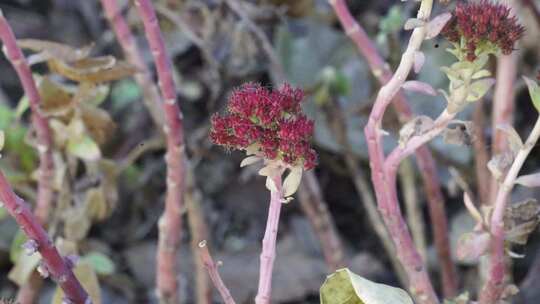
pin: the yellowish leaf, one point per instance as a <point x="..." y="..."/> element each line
<point x="55" y="99"/>
<point x="84" y="147"/>
<point x="51" y="49"/>
<point x="88" y="278"/>
<point x="25" y="265"/>
<point x="93" y="70"/>
<point x="343" y="286"/>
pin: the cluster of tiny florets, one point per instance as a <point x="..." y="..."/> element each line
<point x="270" y="120"/>
<point x="483" y="22"/>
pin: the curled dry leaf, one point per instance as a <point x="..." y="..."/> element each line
<point x="514" y="140"/>
<point x="419" y="87"/>
<point x="51" y="49"/>
<point x="56" y="99"/>
<point x="413" y="23"/>
<point x="435" y="25"/>
<point x="461" y="134"/>
<point x="472" y="245"/>
<point x="292" y="181"/>
<point x="419" y="60"/>
<point x="97" y="122"/>
<point x="93" y="70"/>
<point x="529" y="180"/>
<point x="415" y="127"/>
<point x="520" y="220"/>
<point x="499" y="164"/>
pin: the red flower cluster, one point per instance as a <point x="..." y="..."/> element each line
<point x="271" y="120"/>
<point x="483" y="22"/>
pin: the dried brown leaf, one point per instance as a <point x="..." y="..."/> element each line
<point x="520" y="220"/>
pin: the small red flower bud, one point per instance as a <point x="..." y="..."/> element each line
<point x="270" y="120"/>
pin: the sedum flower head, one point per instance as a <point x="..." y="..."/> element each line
<point x="268" y="123"/>
<point x="481" y="24"/>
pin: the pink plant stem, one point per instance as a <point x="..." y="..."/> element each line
<point x="503" y="107"/>
<point x="316" y="210"/>
<point x="268" y="254"/>
<point x="385" y="188"/>
<point x="125" y="37"/>
<point x="55" y="263"/>
<point x="534" y="10"/>
<point x="213" y="272"/>
<point x="481" y="156"/>
<point x="170" y="224"/>
<point x="494" y="286"/>
<point x="424" y="158"/>
<point x="40" y="123"/>
<point x="29" y="291"/>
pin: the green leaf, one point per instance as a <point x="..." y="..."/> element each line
<point x="84" y="147"/>
<point x="391" y="23"/>
<point x="16" y="246"/>
<point x="343" y="286"/>
<point x="101" y="263"/>
<point x="534" y="92"/>
<point x="124" y="93"/>
<point x="479" y="88"/>
<point x="22" y="106"/>
<point x="6" y="116"/>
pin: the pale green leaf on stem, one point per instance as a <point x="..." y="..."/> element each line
<point x="479" y="88"/>
<point x="343" y="286"/>
<point x="2" y="140"/>
<point x="249" y="160"/>
<point x="84" y="147"/>
<point x="534" y="92"/>
<point x="292" y="181"/>
<point x="101" y="263"/>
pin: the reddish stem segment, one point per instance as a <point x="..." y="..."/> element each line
<point x="210" y="266"/>
<point x="170" y="224"/>
<point x="424" y="158"/>
<point x="125" y="37"/>
<point x="44" y="136"/>
<point x="55" y="263"/>
<point x="45" y="194"/>
<point x="316" y="210"/>
<point x="268" y="254"/>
